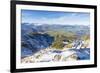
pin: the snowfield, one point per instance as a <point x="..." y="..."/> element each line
<point x="51" y="55"/>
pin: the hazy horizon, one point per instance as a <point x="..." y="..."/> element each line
<point x="55" y="17"/>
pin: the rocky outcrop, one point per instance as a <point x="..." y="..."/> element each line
<point x="33" y="41"/>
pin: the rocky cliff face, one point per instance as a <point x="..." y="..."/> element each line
<point x="32" y="40"/>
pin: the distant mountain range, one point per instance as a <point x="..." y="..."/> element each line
<point x="77" y="29"/>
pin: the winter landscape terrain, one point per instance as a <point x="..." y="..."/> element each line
<point x="53" y="43"/>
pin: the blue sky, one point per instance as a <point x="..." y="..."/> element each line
<point x="55" y="17"/>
